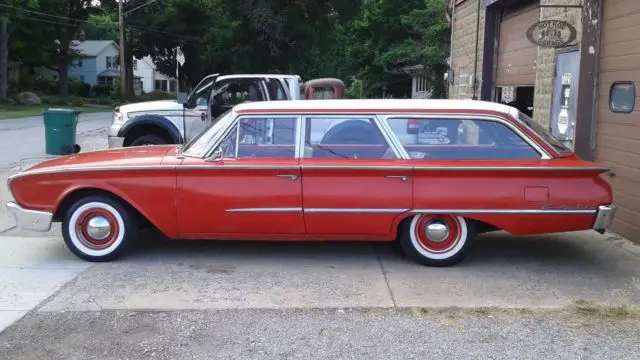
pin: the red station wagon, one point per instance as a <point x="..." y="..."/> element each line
<point x="431" y="174"/>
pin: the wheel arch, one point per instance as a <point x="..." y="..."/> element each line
<point x="67" y="200"/>
<point x="481" y="226"/>
<point x="145" y="124"/>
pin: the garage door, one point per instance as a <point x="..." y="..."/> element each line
<point x="618" y="125"/>
<point x="516" y="54"/>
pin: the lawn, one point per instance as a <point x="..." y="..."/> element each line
<point x="20" y="111"/>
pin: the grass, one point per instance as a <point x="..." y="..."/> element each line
<point x="20" y="111"/>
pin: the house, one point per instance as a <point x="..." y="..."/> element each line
<point x="98" y="64"/>
<point x="571" y="65"/>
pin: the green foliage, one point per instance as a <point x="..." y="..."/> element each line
<point x="156" y="95"/>
<point x="101" y="90"/>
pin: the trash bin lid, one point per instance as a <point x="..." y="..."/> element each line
<point x="60" y="110"/>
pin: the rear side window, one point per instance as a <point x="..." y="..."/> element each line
<point x="449" y="139"/>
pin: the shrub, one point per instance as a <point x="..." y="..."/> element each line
<point x="101" y="90"/>
<point x="85" y="90"/>
<point x="78" y="102"/>
<point x="156" y="95"/>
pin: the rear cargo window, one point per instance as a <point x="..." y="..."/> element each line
<point x="622" y="97"/>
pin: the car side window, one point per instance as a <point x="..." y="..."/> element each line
<point x="345" y="138"/>
<point x="235" y="91"/>
<point x="458" y="139"/>
<point x="260" y="137"/>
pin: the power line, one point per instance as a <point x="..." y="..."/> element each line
<point x="44" y="14"/>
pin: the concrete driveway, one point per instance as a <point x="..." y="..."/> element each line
<point x="266" y="300"/>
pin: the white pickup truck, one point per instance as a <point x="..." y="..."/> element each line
<point x="172" y="122"/>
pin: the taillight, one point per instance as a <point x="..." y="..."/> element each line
<point x="413" y="126"/>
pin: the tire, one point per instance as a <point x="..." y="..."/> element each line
<point x="77" y="235"/>
<point x="459" y="238"/>
<point x="150" y="139"/>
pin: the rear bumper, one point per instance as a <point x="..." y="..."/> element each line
<point x="604" y="217"/>
<point x="30" y="219"/>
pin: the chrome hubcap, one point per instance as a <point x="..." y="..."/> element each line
<point x="99" y="228"/>
<point x="437" y="231"/>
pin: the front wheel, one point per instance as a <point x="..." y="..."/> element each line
<point x="149" y="139"/>
<point x="98" y="228"/>
<point x="437" y="240"/>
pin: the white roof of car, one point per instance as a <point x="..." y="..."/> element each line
<point x="382" y="105"/>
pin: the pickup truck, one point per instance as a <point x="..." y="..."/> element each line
<point x="172" y="122"/>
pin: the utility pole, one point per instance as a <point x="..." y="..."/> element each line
<point x="123" y="71"/>
<point x="4" y="57"/>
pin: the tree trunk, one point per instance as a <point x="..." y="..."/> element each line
<point x="63" y="76"/>
<point x="4" y="57"/>
<point x="128" y="51"/>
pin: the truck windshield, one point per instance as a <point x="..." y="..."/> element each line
<point x="545" y="134"/>
<point x="199" y="145"/>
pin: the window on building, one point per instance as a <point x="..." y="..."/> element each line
<point x="432" y="138"/>
<point x="79" y="63"/>
<point x="622" y="97"/>
<point x="111" y="62"/>
<point x="172" y="86"/>
<point x="345" y="138"/>
<point x="135" y="64"/>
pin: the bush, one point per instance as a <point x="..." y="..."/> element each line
<point x="156" y="95"/>
<point x="101" y="90"/>
<point x="85" y="90"/>
<point x="78" y="102"/>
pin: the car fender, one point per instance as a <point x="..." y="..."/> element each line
<point x="156" y="120"/>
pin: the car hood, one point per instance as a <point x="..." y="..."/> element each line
<point x="150" y="106"/>
<point x="130" y="156"/>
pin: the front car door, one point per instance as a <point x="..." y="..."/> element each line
<point x="252" y="186"/>
<point x="353" y="179"/>
<point x="230" y="91"/>
<point x="195" y="109"/>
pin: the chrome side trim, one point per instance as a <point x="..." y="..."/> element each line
<point x="354" y="210"/>
<point x="511" y="168"/>
<point x="70" y="169"/>
<point x="604" y="218"/>
<point x="213" y="166"/>
<point x="30" y="219"/>
<point x="266" y="210"/>
<point x="357" y="167"/>
<point x="503" y="211"/>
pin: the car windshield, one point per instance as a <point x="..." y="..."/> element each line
<point x="199" y="144"/>
<point x="544" y="134"/>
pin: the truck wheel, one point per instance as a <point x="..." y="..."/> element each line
<point x="150" y="139"/>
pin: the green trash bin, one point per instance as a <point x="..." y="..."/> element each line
<point x="60" y="131"/>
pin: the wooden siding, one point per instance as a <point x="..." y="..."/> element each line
<point x="618" y="135"/>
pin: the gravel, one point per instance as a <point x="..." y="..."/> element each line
<point x="323" y="334"/>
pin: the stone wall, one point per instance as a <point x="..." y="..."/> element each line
<point x="545" y="62"/>
<point x="465" y="33"/>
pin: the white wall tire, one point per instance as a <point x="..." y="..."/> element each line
<point x="437" y="240"/>
<point x="98" y="228"/>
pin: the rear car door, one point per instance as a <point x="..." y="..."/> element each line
<point x="353" y="180"/>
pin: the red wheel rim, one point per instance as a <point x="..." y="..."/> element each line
<point x="83" y="233"/>
<point x="451" y="239"/>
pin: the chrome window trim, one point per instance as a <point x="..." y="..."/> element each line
<point x="512" y="168"/>
<point x="503" y="211"/>
<point x="300" y="134"/>
<point x="392" y="140"/>
<point x="370" y="116"/>
<point x="544" y="155"/>
<point x="228" y="166"/>
<point x="356" y="167"/>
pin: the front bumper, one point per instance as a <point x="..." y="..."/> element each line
<point x="604" y="217"/>
<point x="30" y="219"/>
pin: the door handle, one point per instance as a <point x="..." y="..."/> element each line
<point x="203" y="117"/>
<point x="401" y="177"/>
<point x="292" y="177"/>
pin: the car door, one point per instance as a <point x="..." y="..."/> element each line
<point x="195" y="109"/>
<point x="252" y="186"/>
<point x="230" y="91"/>
<point x="352" y="178"/>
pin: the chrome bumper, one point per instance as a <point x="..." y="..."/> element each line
<point x="604" y="217"/>
<point x="116" y="142"/>
<point x="30" y="219"/>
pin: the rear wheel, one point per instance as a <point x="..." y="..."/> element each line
<point x="99" y="228"/>
<point x="150" y="139"/>
<point x="437" y="240"/>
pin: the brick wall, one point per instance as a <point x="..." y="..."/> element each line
<point x="464" y="49"/>
<point x="545" y="62"/>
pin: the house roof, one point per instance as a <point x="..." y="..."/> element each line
<point x="91" y="47"/>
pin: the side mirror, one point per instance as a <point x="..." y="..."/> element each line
<point x="190" y="103"/>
